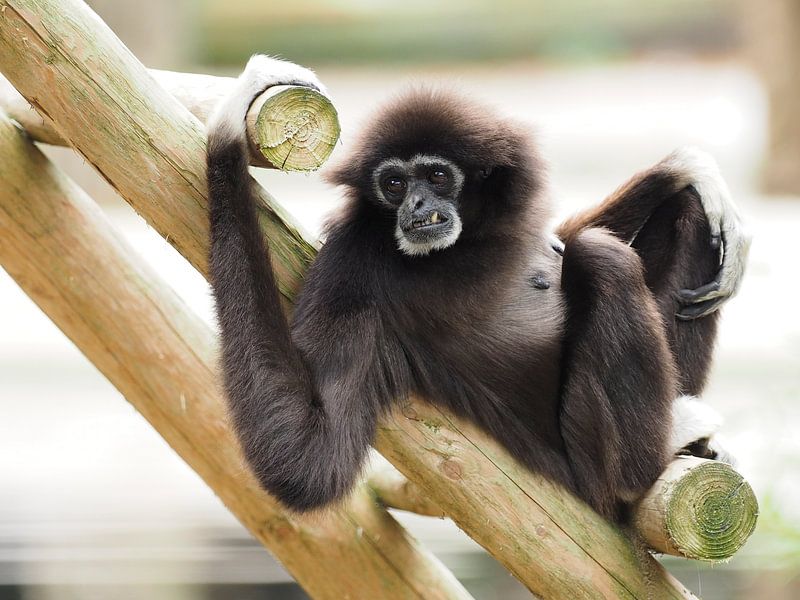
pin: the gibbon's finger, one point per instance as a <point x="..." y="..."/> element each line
<point x="701" y="293"/>
<point x="700" y="309"/>
<point x="266" y="71"/>
<point x="736" y="249"/>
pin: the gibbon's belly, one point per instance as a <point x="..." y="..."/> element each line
<point x="505" y="364"/>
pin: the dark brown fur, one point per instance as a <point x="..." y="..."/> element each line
<point x="575" y="379"/>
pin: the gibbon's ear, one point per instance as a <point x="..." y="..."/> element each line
<point x="343" y="173"/>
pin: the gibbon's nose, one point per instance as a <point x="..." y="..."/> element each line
<point x="420" y="206"/>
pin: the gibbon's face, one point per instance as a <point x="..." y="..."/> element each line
<point x="424" y="192"/>
<point x="444" y="168"/>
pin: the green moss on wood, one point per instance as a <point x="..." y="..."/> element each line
<point x="711" y="512"/>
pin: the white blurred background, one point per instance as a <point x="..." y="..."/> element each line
<point x="93" y="504"/>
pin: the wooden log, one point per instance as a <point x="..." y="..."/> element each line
<point x="59" y="246"/>
<point x="73" y="65"/>
<point x="699" y="509"/>
<point x="547" y="538"/>
<point x="66" y="63"/>
<point x="394" y="490"/>
<point x="291" y="128"/>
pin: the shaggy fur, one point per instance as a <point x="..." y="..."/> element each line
<point x="572" y="364"/>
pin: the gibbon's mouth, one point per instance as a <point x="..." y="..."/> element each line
<point x="433" y="220"/>
<point x="435" y="231"/>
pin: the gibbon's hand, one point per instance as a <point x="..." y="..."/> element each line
<point x="727" y="233"/>
<point x="262" y="72"/>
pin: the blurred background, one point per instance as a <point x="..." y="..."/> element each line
<point x="93" y="504"/>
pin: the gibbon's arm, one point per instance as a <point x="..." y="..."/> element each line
<point x="626" y="211"/>
<point x="304" y="431"/>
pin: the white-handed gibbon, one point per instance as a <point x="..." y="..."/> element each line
<point x="441" y="279"/>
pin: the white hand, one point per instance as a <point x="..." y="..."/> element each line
<point x="262" y="72"/>
<point x="700" y="170"/>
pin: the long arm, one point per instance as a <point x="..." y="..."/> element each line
<point x="629" y="208"/>
<point x="304" y="427"/>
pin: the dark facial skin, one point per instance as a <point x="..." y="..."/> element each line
<point x="424" y="191"/>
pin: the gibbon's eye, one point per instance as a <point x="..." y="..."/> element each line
<point x="394" y="186"/>
<point x="485" y="172"/>
<point x="438" y="177"/>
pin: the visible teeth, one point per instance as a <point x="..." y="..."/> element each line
<point x="435" y="217"/>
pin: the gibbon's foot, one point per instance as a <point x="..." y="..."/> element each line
<point x="700" y="171"/>
<point x="695" y="427"/>
<point x="710" y="448"/>
<point x="261" y="73"/>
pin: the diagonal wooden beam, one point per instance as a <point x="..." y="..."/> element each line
<point x="71" y="66"/>
<point x="67" y="64"/>
<point x="60" y="248"/>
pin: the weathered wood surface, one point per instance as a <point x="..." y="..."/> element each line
<point x="151" y="150"/>
<point x="60" y="248"/>
<point x="289" y="127"/>
<point x="698" y="509"/>
<point x="64" y="60"/>
<point x="395" y="490"/>
<point x="547" y="538"/>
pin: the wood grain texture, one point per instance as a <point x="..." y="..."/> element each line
<point x="395" y="490"/>
<point x="700" y="509"/>
<point x="64" y="60"/>
<point x="151" y="149"/>
<point x="60" y="248"/>
<point x="550" y="540"/>
<point x="296" y="131"/>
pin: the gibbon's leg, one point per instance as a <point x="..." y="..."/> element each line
<point x="665" y="219"/>
<point x="618" y="381"/>
<point x="670" y="214"/>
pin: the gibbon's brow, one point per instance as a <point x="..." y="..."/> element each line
<point x="417" y="160"/>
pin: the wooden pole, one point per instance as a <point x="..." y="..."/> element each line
<point x="394" y="490"/>
<point x="699" y="509"/>
<point x="291" y="128"/>
<point x="60" y="248"/>
<point x="73" y="65"/>
<point x="67" y="64"/>
<point x="551" y="541"/>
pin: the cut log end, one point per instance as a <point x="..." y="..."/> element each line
<point x="295" y="128"/>
<point x="698" y="509"/>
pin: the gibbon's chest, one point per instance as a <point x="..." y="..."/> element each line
<point x="498" y="337"/>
